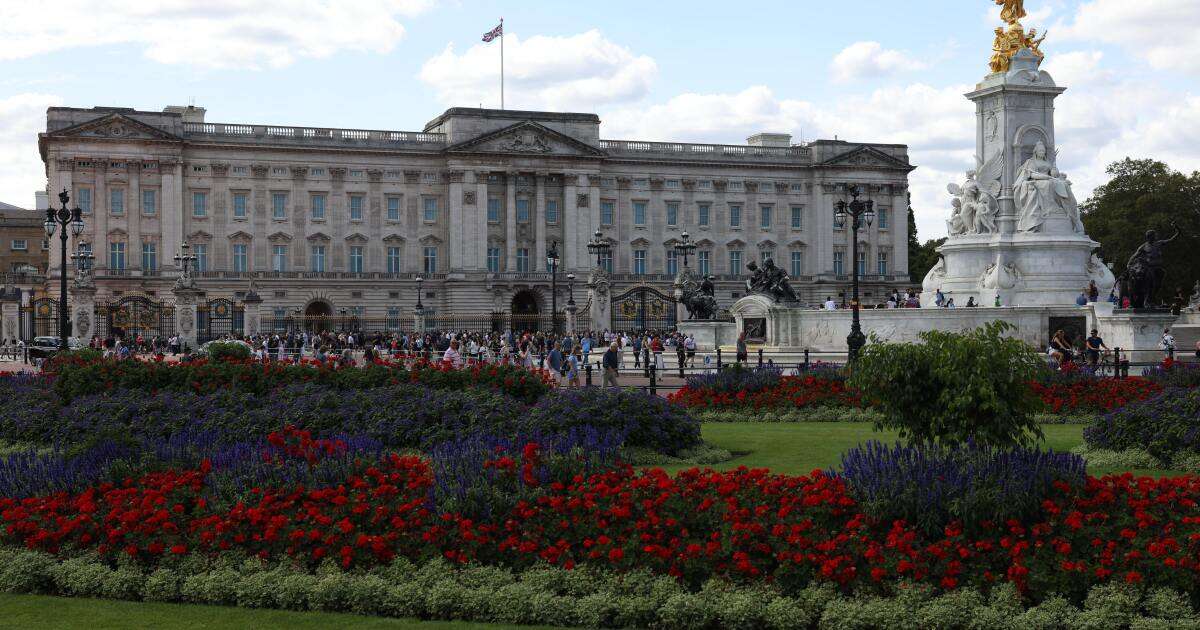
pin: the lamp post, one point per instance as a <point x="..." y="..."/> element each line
<point x="184" y="260"/>
<point x="419" y="280"/>
<point x="64" y="217"/>
<point x="552" y="264"/>
<point x="570" y="290"/>
<point x="598" y="247"/>
<point x="82" y="258"/>
<point x="859" y="212"/>
<point x="685" y="247"/>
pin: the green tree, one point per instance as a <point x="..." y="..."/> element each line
<point x="1147" y="195"/>
<point x="921" y="258"/>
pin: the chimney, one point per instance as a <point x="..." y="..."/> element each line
<point x="189" y="113"/>
<point x="41" y="200"/>
<point x="770" y="140"/>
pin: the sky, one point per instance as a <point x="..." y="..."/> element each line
<point x="696" y="71"/>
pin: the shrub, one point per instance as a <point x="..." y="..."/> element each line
<point x="952" y="387"/>
<point x="1171" y="373"/>
<point x="1162" y="426"/>
<point x="933" y="486"/>
<point x="643" y="420"/>
<point x="736" y="378"/>
<point x="227" y="351"/>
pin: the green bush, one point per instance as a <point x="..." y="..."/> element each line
<point x="790" y="414"/>
<point x="227" y="351"/>
<point x="954" y="387"/>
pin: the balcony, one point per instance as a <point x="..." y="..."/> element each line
<point x="705" y="152"/>
<point x="313" y="136"/>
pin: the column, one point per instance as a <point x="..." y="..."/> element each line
<point x="899" y="228"/>
<point x="480" y="242"/>
<point x="100" y="215"/>
<point x="171" y="213"/>
<point x="133" y="211"/>
<point x="539" y="221"/>
<point x="572" y="244"/>
<point x="456" y="226"/>
<point x="510" y="222"/>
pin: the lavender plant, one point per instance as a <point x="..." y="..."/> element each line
<point x="1163" y="426"/>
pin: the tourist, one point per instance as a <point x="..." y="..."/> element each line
<point x="452" y="355"/>
<point x="573" y="362"/>
<point x="1082" y="298"/>
<point x="997" y="302"/>
<point x="1092" y="346"/>
<point x="743" y="354"/>
<point x="1167" y="344"/>
<point x="971" y="302"/>
<point x="637" y="351"/>
<point x="556" y="362"/>
<point x="656" y="346"/>
<point x="950" y="303"/>
<point x="680" y="352"/>
<point x="830" y="305"/>
<point x="1093" y="291"/>
<point x="939" y="299"/>
<point x="610" y="362"/>
<point x="1198" y="350"/>
<point x="1061" y="349"/>
<point x="690" y="345"/>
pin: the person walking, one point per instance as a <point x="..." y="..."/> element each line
<point x="555" y="361"/>
<point x="573" y="363"/>
<point x="611" y="362"/>
<point x="1167" y="344"/>
<point x="743" y="352"/>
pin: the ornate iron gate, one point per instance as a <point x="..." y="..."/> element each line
<point x="643" y="308"/>
<point x="133" y="315"/>
<point x="43" y="318"/>
<point x="217" y="318"/>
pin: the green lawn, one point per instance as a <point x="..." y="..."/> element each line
<point x="795" y="448"/>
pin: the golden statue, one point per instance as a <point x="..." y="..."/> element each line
<point x="1013" y="10"/>
<point x="1010" y="41"/>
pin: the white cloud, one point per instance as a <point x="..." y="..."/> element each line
<point x="21" y="172"/>
<point x="569" y="73"/>
<point x="862" y="60"/>
<point x="207" y="33"/>
<point x="1165" y="33"/>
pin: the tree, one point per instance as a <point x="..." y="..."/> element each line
<point x="1147" y="195"/>
<point x="921" y="258"/>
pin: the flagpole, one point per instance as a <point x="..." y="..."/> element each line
<point x="501" y="63"/>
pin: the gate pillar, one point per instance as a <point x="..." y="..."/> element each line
<point x="186" y="301"/>
<point x="252" y="312"/>
<point x="600" y="311"/>
<point x="83" y="307"/>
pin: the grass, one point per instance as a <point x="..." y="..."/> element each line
<point x="40" y="612"/>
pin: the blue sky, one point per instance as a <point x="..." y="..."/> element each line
<point x="866" y="70"/>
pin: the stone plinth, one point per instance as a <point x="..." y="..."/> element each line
<point x="1136" y="332"/>
<point x="83" y="305"/>
<point x="710" y="335"/>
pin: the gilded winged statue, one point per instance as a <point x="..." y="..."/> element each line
<point x="1013" y="10"/>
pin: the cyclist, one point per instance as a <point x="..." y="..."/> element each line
<point x="1093" y="345"/>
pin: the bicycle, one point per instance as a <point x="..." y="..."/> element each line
<point x="1106" y="364"/>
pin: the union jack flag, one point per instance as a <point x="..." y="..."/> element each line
<point x="494" y="33"/>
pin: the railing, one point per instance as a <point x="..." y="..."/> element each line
<point x="333" y="275"/>
<point x="313" y="134"/>
<point x="705" y="151"/>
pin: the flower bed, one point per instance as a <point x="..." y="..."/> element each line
<point x="788" y="391"/>
<point x="1089" y="395"/>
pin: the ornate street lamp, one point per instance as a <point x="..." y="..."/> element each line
<point x="859" y="213"/>
<point x="685" y="247"/>
<point x="64" y="217"/>
<point x="83" y="257"/>
<point x="598" y="247"/>
<point x="184" y="260"/>
<point x="419" y="280"/>
<point x="552" y="264"/>
<point x="571" y="289"/>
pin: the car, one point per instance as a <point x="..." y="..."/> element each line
<point x="43" y="347"/>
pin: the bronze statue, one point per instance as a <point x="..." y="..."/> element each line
<point x="770" y="280"/>
<point x="1145" y="270"/>
<point x="1013" y="10"/>
<point x="699" y="300"/>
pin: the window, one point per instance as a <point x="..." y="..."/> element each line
<point x="46" y="245"/>
<point x="149" y="202"/>
<point x="239" y="205"/>
<point x="393" y="259"/>
<point x="606" y="261"/>
<point x="149" y="257"/>
<point x="551" y="211"/>
<point x="523" y="211"/>
<point x="702" y="214"/>
<point x="735" y="216"/>
<point x="839" y="264"/>
<point x="20" y="245"/>
<point x="672" y="213"/>
<point x="356" y="207"/>
<point x="606" y="213"/>
<point x="116" y="256"/>
<point x="318" y="207"/>
<point x="199" y="204"/>
<point x="882" y="214"/>
<point x="862" y="263"/>
<point x="639" y="262"/>
<point x="639" y="213"/>
<point x="522" y="260"/>
<point x="493" y="259"/>
<point x="278" y="205"/>
<point x="797" y="187"/>
<point x="318" y="258"/>
<point x="317" y="172"/>
<point x="431" y="208"/>
<point x="735" y="262"/>
<point x="882" y="263"/>
<point x="393" y="208"/>
<point x="704" y="184"/>
<point x="672" y="262"/>
<point x="797" y="217"/>
<point x="239" y="257"/>
<point x="116" y="200"/>
<point x="764" y="217"/>
<point x="84" y="197"/>
<point x="797" y="267"/>
<point x="279" y="258"/>
<point x="431" y="260"/>
<point x="765" y="255"/>
<point x="673" y="184"/>
<point x="641" y="183"/>
<point x="356" y="259"/>
<point x="241" y="170"/>
<point x="201" y="253"/>
<point x="736" y="186"/>
<point x="702" y="261"/>
<point x="493" y="210"/>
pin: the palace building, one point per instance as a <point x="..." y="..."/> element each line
<point x="321" y="221"/>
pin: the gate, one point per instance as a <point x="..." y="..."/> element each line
<point x="42" y="318"/>
<point x="643" y="308"/>
<point x="134" y="315"/>
<point x="218" y="318"/>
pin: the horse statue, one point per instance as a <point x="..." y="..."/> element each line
<point x="699" y="299"/>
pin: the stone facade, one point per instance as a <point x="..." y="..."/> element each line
<point x="22" y="240"/>
<point x="324" y="219"/>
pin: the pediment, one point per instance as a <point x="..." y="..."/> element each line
<point x="640" y="242"/>
<point x="356" y="238"/>
<point x="280" y="237"/>
<point x="393" y="238"/>
<point x="766" y="244"/>
<point x="241" y="236"/>
<point x="117" y="233"/>
<point x="529" y="139"/>
<point x="737" y="242"/>
<point x="797" y="243"/>
<point x="114" y="127"/>
<point x="318" y="236"/>
<point x="430" y="239"/>
<point x="199" y="235"/>
<point x="867" y="157"/>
